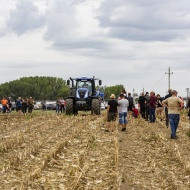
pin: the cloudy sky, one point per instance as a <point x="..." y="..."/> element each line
<point x="129" y="42"/>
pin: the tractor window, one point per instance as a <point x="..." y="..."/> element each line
<point x="85" y="84"/>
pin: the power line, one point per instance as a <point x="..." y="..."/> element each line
<point x="159" y="81"/>
<point x="185" y="67"/>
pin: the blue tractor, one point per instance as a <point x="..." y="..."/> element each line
<point x="83" y="96"/>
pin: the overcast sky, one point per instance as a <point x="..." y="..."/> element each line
<point x="129" y="42"/>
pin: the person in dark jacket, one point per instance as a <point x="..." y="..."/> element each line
<point x="141" y="102"/>
<point x="147" y="104"/>
<point x="152" y="107"/>
<point x="188" y="107"/>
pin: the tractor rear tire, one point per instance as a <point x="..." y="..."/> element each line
<point x="96" y="106"/>
<point x="69" y="106"/>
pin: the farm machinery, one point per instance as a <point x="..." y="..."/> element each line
<point x="83" y="96"/>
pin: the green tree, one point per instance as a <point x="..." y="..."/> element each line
<point x="48" y="88"/>
<point x="113" y="90"/>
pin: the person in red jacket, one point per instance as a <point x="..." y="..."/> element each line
<point x="135" y="112"/>
<point x="152" y="107"/>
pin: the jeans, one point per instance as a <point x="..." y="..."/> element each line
<point x="122" y="118"/>
<point x="57" y="108"/>
<point x="4" y="109"/>
<point x="152" y="114"/>
<point x="174" y="121"/>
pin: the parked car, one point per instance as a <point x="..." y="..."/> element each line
<point x="103" y="106"/>
<point x="36" y="107"/>
<point x="51" y="106"/>
<point x="106" y="104"/>
<point x="13" y="106"/>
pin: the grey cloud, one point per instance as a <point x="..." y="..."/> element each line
<point x="63" y="29"/>
<point x="81" y="44"/>
<point x="26" y="16"/>
<point x="145" y="20"/>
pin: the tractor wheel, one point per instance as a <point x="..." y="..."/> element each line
<point x="96" y="106"/>
<point x="69" y="106"/>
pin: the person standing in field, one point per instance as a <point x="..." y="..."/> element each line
<point x="123" y="107"/>
<point x="9" y="104"/>
<point x="160" y="108"/>
<point x="58" y="103"/>
<point x="188" y="107"/>
<point x="19" y="105"/>
<point x="62" y="105"/>
<point x="152" y="107"/>
<point x="131" y="104"/>
<point x="141" y="102"/>
<point x="112" y="112"/>
<point x="4" y="103"/>
<point x="166" y="109"/>
<point x="147" y="104"/>
<point x="43" y="104"/>
<point x="30" y="105"/>
<point x="24" y="105"/>
<point x="174" y="105"/>
<point x="188" y="110"/>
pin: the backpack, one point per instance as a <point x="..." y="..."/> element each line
<point x="130" y="99"/>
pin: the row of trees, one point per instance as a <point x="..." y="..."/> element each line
<point x="46" y="88"/>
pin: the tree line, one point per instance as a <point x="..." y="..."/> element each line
<point x="46" y="88"/>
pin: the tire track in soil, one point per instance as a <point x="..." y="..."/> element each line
<point x="151" y="160"/>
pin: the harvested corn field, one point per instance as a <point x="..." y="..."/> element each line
<point x="49" y="151"/>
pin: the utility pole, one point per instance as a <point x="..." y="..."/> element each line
<point x="143" y="90"/>
<point x="133" y="92"/>
<point x="187" y="89"/>
<point x="169" y="73"/>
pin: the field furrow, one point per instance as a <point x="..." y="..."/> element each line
<point x="49" y="151"/>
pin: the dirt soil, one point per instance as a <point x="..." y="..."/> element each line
<point x="49" y="151"/>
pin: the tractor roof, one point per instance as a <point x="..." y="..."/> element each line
<point x="84" y="79"/>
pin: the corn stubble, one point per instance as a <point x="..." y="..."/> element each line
<point x="49" y="151"/>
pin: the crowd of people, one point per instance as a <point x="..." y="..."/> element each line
<point x="22" y="105"/>
<point x="60" y="105"/>
<point x="150" y="108"/>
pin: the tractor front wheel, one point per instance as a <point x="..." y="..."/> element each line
<point x="96" y="106"/>
<point x="69" y="106"/>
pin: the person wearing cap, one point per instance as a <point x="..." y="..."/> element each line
<point x="112" y="111"/>
<point x="174" y="105"/>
